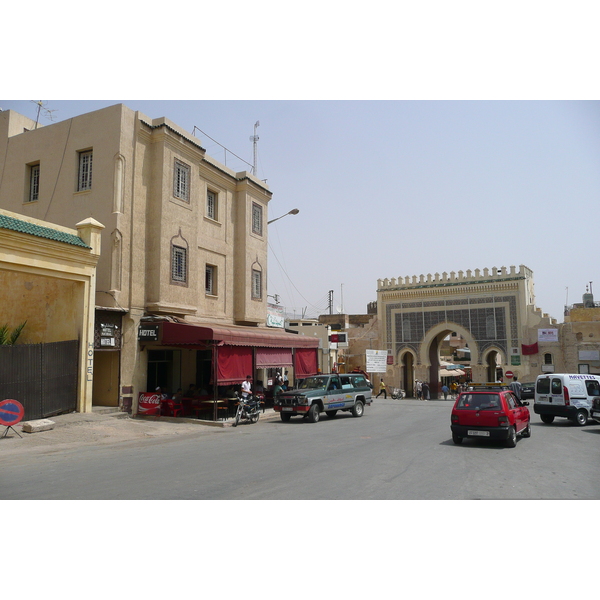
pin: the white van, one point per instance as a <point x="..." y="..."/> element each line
<point x="565" y="395"/>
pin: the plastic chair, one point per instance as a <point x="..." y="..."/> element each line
<point x="174" y="407"/>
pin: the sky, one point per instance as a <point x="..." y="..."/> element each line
<point x="389" y="188"/>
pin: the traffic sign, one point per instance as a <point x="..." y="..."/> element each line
<point x="11" y="412"/>
<point x="509" y="374"/>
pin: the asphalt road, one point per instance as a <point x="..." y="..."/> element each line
<point x="400" y="449"/>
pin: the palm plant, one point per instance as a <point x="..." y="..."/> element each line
<point x="8" y="337"/>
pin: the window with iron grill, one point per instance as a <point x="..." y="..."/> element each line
<point x="211" y="206"/>
<point x="84" y="180"/>
<point x="34" y="183"/>
<point x="257" y="219"/>
<point x="211" y="280"/>
<point x="178" y="264"/>
<point x="181" y="181"/>
<point x="256" y="284"/>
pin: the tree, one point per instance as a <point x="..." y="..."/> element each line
<point x="8" y="338"/>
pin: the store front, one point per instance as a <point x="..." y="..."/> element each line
<point x="216" y="360"/>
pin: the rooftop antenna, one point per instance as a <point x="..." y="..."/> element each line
<point x="254" y="139"/>
<point x="47" y="112"/>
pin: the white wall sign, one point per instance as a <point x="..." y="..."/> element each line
<point x="376" y="361"/>
<point x="547" y="335"/>
<point x="589" y="355"/>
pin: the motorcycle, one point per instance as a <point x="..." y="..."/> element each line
<point x="247" y="409"/>
<point x="398" y="394"/>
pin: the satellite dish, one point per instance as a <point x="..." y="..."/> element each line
<point x="338" y="309"/>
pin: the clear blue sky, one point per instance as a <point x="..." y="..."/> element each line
<point x="397" y="188"/>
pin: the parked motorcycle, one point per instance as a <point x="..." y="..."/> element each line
<point x="398" y="394"/>
<point x="248" y="409"/>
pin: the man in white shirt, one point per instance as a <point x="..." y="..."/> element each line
<point x="247" y="387"/>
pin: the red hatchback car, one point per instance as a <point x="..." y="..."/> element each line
<point x="490" y="412"/>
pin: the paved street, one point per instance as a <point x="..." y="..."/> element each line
<point x="398" y="450"/>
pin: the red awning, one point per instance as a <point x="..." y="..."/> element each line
<point x="190" y="334"/>
<point x="305" y="362"/>
<point x="271" y="358"/>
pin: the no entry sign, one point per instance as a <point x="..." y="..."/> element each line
<point x="11" y="412"/>
<point x="509" y="374"/>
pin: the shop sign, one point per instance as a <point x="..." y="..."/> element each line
<point x="275" y="316"/>
<point x="149" y="403"/>
<point x="147" y="333"/>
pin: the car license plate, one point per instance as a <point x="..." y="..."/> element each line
<point x="287" y="408"/>
<point x="477" y="432"/>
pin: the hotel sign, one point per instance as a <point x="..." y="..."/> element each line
<point x="147" y="333"/>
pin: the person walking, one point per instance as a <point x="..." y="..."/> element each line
<point x="419" y="390"/>
<point x="425" y="390"/>
<point x="382" y="390"/>
<point x="515" y="388"/>
<point x="446" y="391"/>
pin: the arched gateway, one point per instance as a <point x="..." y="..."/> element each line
<point x="489" y="310"/>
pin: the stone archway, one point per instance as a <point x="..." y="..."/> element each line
<point x="406" y="360"/>
<point x="430" y="353"/>
<point x="493" y="362"/>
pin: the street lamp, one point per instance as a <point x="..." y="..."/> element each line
<point x="294" y="211"/>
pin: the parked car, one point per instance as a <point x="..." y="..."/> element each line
<point x="328" y="393"/>
<point x="568" y="395"/>
<point x="490" y="412"/>
<point x="595" y="413"/>
<point x="528" y="390"/>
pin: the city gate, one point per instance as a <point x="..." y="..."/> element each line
<point x="489" y="310"/>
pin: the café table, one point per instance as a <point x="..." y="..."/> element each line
<point x="208" y="406"/>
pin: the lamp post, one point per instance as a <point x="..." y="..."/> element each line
<point x="294" y="211"/>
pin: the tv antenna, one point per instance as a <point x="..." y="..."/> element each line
<point x="254" y="138"/>
<point x="47" y="111"/>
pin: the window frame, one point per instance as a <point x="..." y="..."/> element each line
<point x="181" y="184"/>
<point x="85" y="170"/>
<point x="256" y="278"/>
<point x="34" y="183"/>
<point x="215" y="205"/>
<point x="257" y="219"/>
<point x="179" y="265"/>
<point x="212" y="289"/>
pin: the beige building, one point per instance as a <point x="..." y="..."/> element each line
<point x="48" y="280"/>
<point x="579" y="346"/>
<point x="185" y="245"/>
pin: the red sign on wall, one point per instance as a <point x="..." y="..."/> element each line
<point x="149" y="403"/>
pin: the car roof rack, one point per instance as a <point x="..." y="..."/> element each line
<point x="489" y="386"/>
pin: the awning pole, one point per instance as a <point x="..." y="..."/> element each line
<point x="215" y="388"/>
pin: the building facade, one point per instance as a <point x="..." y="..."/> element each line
<point x="48" y="282"/>
<point x="185" y="242"/>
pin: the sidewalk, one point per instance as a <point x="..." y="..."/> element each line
<point x="102" y="427"/>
